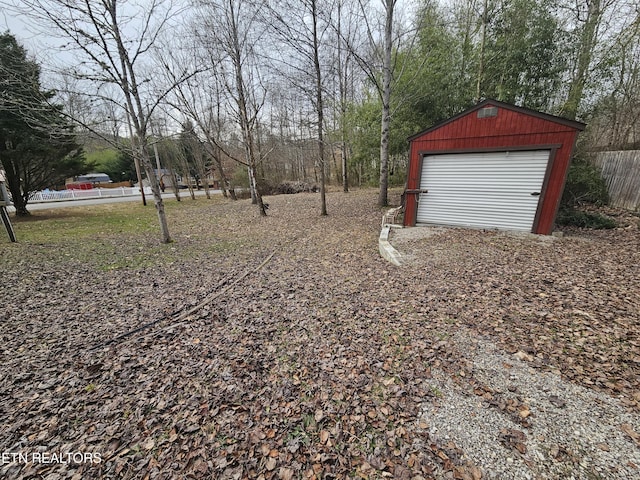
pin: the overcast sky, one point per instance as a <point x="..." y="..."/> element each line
<point x="38" y="46"/>
<point x="9" y="21"/>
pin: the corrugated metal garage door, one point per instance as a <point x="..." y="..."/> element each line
<point x="483" y="190"/>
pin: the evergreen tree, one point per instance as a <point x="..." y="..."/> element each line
<point x="37" y="145"/>
<point x="523" y="58"/>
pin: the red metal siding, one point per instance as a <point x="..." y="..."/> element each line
<point x="509" y="129"/>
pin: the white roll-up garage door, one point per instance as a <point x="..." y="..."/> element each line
<point x="482" y="190"/>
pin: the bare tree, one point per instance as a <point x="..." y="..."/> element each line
<point x="344" y="58"/>
<point x="293" y="122"/>
<point x="385" y="94"/>
<point x="614" y="123"/>
<point x="231" y="33"/>
<point x="587" y="18"/>
<point x="195" y="153"/>
<point x="113" y="39"/>
<point x="300" y="30"/>
<point x="377" y="62"/>
<point x="484" y="22"/>
<point x="199" y="98"/>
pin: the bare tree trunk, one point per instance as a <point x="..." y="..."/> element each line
<point x="342" y="83"/>
<point x="246" y="123"/>
<point x="386" y="104"/>
<point x="174" y="184"/>
<point x="252" y="185"/>
<point x="186" y="175"/>
<point x="223" y="178"/>
<point x="232" y="190"/>
<point x="157" y="194"/>
<point x="483" y="40"/>
<point x="132" y="96"/>
<point x="13" y="182"/>
<point x="588" y="39"/>
<point x="202" y="171"/>
<point x="136" y="160"/>
<point x="319" y="108"/>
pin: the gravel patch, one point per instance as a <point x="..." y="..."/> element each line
<point x="401" y="238"/>
<point x="573" y="432"/>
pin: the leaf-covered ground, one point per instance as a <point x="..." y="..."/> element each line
<point x="286" y="347"/>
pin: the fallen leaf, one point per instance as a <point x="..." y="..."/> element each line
<point x="271" y="463"/>
<point x="557" y="401"/>
<point x="149" y="444"/>
<point x="523" y="356"/>
<point x="628" y="429"/>
<point x="285" y="473"/>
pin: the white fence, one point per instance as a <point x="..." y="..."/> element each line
<point x="54" y="196"/>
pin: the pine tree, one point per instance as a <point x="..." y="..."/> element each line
<point x="37" y="144"/>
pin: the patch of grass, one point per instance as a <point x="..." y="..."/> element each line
<point x="123" y="235"/>
<point x="435" y="391"/>
<point x="226" y="246"/>
<point x="148" y="257"/>
<point x="298" y="435"/>
<point x="442" y="335"/>
<point x="61" y="225"/>
<point x="309" y="423"/>
<point x="571" y="217"/>
<point x="58" y="226"/>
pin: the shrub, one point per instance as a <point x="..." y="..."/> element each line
<point x="240" y="177"/>
<point x="584" y="185"/>
<point x="294" y="187"/>
<point x="570" y="217"/>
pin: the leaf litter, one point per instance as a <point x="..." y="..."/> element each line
<point x="319" y="364"/>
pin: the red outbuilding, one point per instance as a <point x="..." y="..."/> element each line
<point x="492" y="166"/>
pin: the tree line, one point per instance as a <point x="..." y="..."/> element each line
<point x="324" y="91"/>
